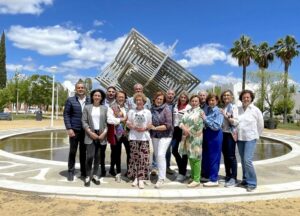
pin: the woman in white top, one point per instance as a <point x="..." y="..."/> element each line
<point x="179" y="110"/>
<point x="139" y="121"/>
<point x="250" y="127"/>
<point x="229" y="111"/>
<point x="94" y="122"/>
<point x="117" y="134"/>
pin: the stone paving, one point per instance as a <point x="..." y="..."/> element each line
<point x="277" y="177"/>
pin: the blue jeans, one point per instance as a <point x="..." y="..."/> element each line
<point x="246" y="150"/>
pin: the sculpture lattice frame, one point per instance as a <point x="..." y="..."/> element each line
<point x="140" y="61"/>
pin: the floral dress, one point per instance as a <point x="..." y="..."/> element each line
<point x="192" y="144"/>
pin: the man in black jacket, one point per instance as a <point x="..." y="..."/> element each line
<point x="72" y="118"/>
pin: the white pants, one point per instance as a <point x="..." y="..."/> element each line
<point x="160" y="146"/>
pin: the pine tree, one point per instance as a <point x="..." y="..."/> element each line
<point x="2" y="62"/>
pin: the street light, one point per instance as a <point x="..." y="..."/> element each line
<point x="56" y="102"/>
<point x="17" y="108"/>
<point x="17" y="76"/>
<point x="53" y="69"/>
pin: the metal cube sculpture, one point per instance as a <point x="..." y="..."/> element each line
<point x="140" y="61"/>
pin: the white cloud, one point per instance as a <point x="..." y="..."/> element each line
<point x="98" y="23"/>
<point x="79" y="64"/>
<point x="73" y="78"/>
<point x="83" y="50"/>
<point x="231" y="61"/>
<point x="54" y="40"/>
<point x="98" y="50"/>
<point x="20" y="67"/>
<point x="166" y="48"/>
<point x="23" y="7"/>
<point x="27" y="59"/>
<point x="67" y="84"/>
<point x="203" y="55"/>
<point x="219" y="80"/>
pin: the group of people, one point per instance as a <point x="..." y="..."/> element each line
<point x="196" y="129"/>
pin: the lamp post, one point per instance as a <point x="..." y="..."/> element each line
<point x="17" y="76"/>
<point x="53" y="68"/>
<point x="17" y="108"/>
<point x="56" y="102"/>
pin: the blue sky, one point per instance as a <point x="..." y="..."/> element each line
<point x="81" y="37"/>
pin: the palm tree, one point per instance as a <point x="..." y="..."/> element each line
<point x="243" y="51"/>
<point x="286" y="50"/>
<point x="263" y="56"/>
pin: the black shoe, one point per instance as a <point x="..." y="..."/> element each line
<point x="204" y="180"/>
<point x="250" y="188"/>
<point x="87" y="182"/>
<point x="103" y="173"/>
<point x="112" y="173"/>
<point x="83" y="175"/>
<point x="242" y="184"/>
<point x="96" y="181"/>
<point x="170" y="171"/>
<point x="70" y="176"/>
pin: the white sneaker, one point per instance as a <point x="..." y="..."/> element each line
<point x="135" y="182"/>
<point x="180" y="178"/>
<point x="118" y="178"/>
<point x="211" y="184"/>
<point x="141" y="184"/>
<point x="147" y="182"/>
<point x="159" y="183"/>
<point x="193" y="184"/>
<point x="231" y="183"/>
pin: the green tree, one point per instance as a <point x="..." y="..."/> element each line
<point x="243" y="51"/>
<point x="39" y="90"/>
<point x="17" y="89"/>
<point x="216" y="89"/>
<point x="263" y="55"/>
<point x="3" y="76"/>
<point x="273" y="87"/>
<point x="63" y="95"/>
<point x="284" y="105"/>
<point x="286" y="50"/>
<point x="4" y="99"/>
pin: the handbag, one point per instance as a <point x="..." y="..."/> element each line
<point x="111" y="139"/>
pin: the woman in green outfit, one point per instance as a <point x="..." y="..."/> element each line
<point x="191" y="143"/>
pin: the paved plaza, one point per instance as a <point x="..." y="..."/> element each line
<point x="277" y="178"/>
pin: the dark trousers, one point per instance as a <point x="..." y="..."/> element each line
<point x="211" y="154"/>
<point x="228" y="150"/>
<point x="181" y="161"/>
<point x="168" y="156"/>
<point x="78" y="139"/>
<point x="102" y="158"/>
<point x="95" y="154"/>
<point x="92" y="155"/>
<point x="116" y="151"/>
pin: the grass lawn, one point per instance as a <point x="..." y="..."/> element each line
<point x="289" y="126"/>
<point x="22" y="116"/>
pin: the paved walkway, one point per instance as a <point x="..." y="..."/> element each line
<point x="278" y="177"/>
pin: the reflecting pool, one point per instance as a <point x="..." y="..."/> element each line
<point x="54" y="145"/>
